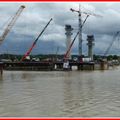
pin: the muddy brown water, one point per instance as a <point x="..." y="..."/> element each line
<point x="60" y="94"/>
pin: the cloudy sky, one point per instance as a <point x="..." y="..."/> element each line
<point x="36" y="15"/>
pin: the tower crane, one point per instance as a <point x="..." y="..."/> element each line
<point x="86" y="13"/>
<point x="66" y="54"/>
<point x="80" y="31"/>
<point x="80" y="24"/>
<point x="11" y="24"/>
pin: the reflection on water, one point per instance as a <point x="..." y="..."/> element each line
<point x="60" y="94"/>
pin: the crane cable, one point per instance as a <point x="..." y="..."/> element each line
<point x="114" y="38"/>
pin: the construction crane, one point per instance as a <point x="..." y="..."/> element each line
<point x="34" y="43"/>
<point x="66" y="55"/>
<point x="11" y="23"/>
<point x="114" y="38"/>
<point x="80" y="28"/>
<point x="86" y="13"/>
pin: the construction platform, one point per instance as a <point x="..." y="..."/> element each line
<point x="46" y="66"/>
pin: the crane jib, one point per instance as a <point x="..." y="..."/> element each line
<point x="65" y="56"/>
<point x="11" y="23"/>
<point x="34" y="43"/>
<point x="43" y="30"/>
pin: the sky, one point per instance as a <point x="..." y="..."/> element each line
<point x="36" y="15"/>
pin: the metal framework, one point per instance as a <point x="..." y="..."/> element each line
<point x="80" y="26"/>
<point x="66" y="55"/>
<point x="11" y="24"/>
<point x="114" y="38"/>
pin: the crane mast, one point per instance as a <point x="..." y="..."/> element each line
<point x="80" y="28"/>
<point x="12" y="22"/>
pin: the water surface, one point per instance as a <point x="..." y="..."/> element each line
<point x="60" y="94"/>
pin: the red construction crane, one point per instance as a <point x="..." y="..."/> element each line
<point x="79" y="12"/>
<point x="66" y="54"/>
<point x="11" y="23"/>
<point x="34" y="43"/>
<point x="87" y="15"/>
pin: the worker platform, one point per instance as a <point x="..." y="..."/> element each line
<point x="46" y="66"/>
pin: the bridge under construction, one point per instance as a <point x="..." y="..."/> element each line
<point x="66" y="63"/>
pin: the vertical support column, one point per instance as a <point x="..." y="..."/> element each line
<point x="80" y="34"/>
<point x="68" y="34"/>
<point x="90" y="39"/>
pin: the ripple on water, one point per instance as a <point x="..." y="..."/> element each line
<point x="61" y="94"/>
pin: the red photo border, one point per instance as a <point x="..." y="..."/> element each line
<point x="20" y="118"/>
<point x="58" y="118"/>
<point x="59" y="0"/>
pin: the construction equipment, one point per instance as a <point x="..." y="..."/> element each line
<point x="80" y="28"/>
<point x="86" y="13"/>
<point x="11" y="23"/>
<point x="66" y="55"/>
<point x="114" y="38"/>
<point x="34" y="43"/>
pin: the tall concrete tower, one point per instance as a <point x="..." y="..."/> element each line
<point x="90" y="39"/>
<point x="68" y="34"/>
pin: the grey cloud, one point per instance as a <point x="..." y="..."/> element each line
<point x="36" y="15"/>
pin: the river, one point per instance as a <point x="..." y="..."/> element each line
<point x="60" y="94"/>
